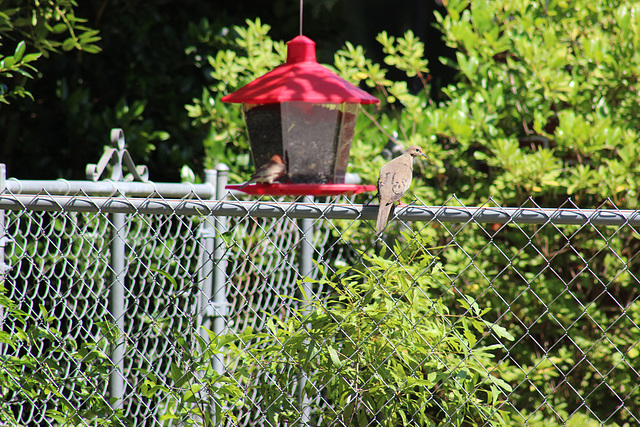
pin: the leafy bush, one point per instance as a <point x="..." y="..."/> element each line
<point x="543" y="113"/>
<point x="20" y="64"/>
<point x="43" y="26"/>
<point x="60" y="389"/>
<point x="227" y="140"/>
<point x="194" y="392"/>
<point x="383" y="346"/>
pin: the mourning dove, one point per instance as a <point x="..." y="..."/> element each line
<point x="394" y="181"/>
<point x="267" y="173"/>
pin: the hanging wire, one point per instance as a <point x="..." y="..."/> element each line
<point x="301" y="5"/>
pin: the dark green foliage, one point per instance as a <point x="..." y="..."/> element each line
<point x="383" y="347"/>
<point x="151" y="62"/>
<point x="194" y="393"/>
<point x="49" y="26"/>
<point x="544" y="113"/>
<point x="62" y="384"/>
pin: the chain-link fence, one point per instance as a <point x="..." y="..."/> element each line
<point x="165" y="305"/>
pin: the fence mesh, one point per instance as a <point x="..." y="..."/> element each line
<point x="287" y="319"/>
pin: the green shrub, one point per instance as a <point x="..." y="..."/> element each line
<point x="382" y="347"/>
<point x="252" y="55"/>
<point x="47" y="27"/>
<point x="543" y="112"/>
<point x="62" y="383"/>
<point x="193" y="392"/>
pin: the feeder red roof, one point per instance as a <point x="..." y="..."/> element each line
<point x="301" y="78"/>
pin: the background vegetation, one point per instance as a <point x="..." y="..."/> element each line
<point x="151" y="63"/>
<point x="543" y="111"/>
<point x="382" y="348"/>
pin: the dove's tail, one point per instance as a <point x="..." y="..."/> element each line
<point x="383" y="215"/>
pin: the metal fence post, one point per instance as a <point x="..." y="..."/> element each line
<point x="305" y="268"/>
<point x="117" y="306"/>
<point x="204" y="309"/>
<point x="220" y="305"/>
<point x="3" y="240"/>
<point x="207" y="235"/>
<point x="219" y="297"/>
<point x="3" y="232"/>
<point x="306" y="252"/>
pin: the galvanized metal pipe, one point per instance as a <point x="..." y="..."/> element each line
<point x="305" y="269"/>
<point x="220" y="255"/>
<point x="3" y="240"/>
<point x="3" y="233"/>
<point x="306" y="251"/>
<point x="117" y="306"/>
<point x="219" y="297"/>
<point x="330" y="211"/>
<point x="207" y="236"/>
<point x="62" y="187"/>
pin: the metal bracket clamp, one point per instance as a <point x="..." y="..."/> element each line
<point x="218" y="309"/>
<point x="206" y="232"/>
<point x="118" y="157"/>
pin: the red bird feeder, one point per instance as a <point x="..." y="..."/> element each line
<point x="306" y="114"/>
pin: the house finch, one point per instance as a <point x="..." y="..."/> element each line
<point x="267" y="173"/>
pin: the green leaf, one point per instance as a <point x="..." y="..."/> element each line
<point x="335" y="359"/>
<point x="30" y="57"/>
<point x="170" y="415"/>
<point x="7" y="63"/>
<point x="19" y="52"/>
<point x="70" y="44"/>
<point x="190" y="394"/>
<point x="24" y="73"/>
<point x="500" y="331"/>
<point x="92" y="48"/>
<point x="177" y="375"/>
<point x="166" y="275"/>
<point x="501" y="383"/>
<point x="59" y="28"/>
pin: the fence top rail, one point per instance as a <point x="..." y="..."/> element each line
<point x="296" y="210"/>
<point x="63" y="187"/>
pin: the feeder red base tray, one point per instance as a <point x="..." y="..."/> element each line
<point x="303" y="189"/>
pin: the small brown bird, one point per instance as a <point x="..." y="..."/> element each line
<point x="394" y="181"/>
<point x="267" y="173"/>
